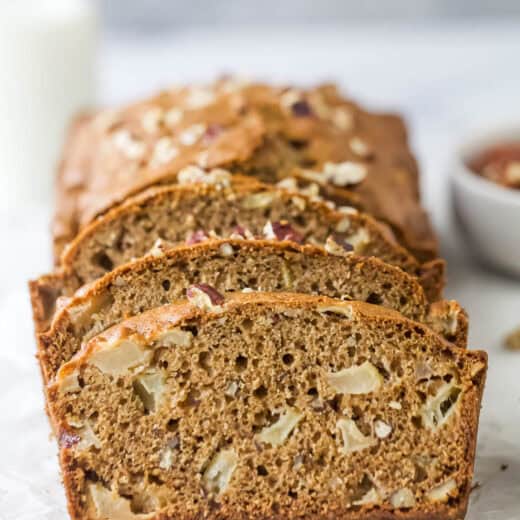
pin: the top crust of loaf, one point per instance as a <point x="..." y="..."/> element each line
<point x="265" y="131"/>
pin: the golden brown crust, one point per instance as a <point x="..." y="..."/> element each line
<point x="252" y="128"/>
<point x="44" y="291"/>
<point x="432" y="276"/>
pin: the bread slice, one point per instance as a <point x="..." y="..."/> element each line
<point x="238" y="263"/>
<point x="264" y="131"/>
<point x="268" y="406"/>
<point x="233" y="265"/>
<point x="220" y="203"/>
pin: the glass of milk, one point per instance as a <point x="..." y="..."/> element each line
<point x="47" y="73"/>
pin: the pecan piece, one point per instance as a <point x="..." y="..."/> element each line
<point x="68" y="439"/>
<point x="212" y="132"/>
<point x="241" y="232"/>
<point x="282" y="231"/>
<point x="196" y="237"/>
<point x="336" y="244"/>
<point x="301" y="109"/>
<point x="204" y="296"/>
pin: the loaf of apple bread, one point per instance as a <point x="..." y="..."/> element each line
<point x="357" y="157"/>
<point x="267" y="406"/>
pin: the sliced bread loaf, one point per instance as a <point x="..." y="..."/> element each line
<point x="264" y="131"/>
<point x="223" y="204"/>
<point x="232" y="265"/>
<point x="268" y="406"/>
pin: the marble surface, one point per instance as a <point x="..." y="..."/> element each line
<point x="445" y="79"/>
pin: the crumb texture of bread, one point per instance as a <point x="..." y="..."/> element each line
<point x="268" y="406"/>
<point x="268" y="132"/>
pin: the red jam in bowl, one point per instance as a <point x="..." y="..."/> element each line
<point x="499" y="163"/>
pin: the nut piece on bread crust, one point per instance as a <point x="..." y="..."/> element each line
<point x="265" y="449"/>
<point x="255" y="265"/>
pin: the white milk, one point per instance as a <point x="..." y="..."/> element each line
<point x="47" y="73"/>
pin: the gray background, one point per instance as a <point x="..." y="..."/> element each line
<point x="161" y="15"/>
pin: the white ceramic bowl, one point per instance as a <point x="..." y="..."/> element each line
<point x="489" y="214"/>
